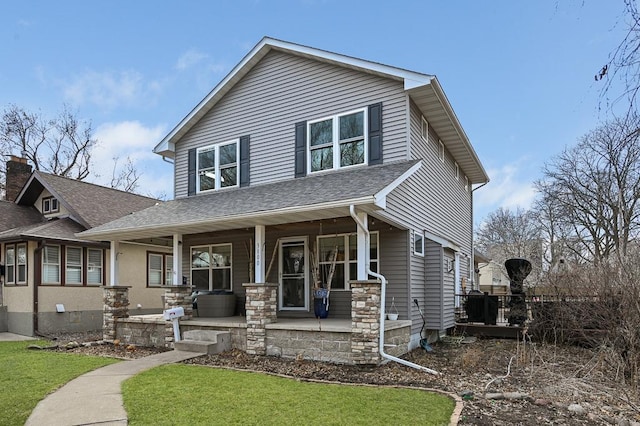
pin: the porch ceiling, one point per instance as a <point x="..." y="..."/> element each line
<point x="315" y="197"/>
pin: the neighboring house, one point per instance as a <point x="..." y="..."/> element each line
<point x="275" y="164"/>
<point x="51" y="279"/>
<point x="494" y="279"/>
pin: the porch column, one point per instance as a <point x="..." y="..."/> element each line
<point x="177" y="259"/>
<point x="261" y="306"/>
<point x="259" y="255"/>
<point x="116" y="305"/>
<point x="363" y="247"/>
<point x="365" y="321"/>
<point x="113" y="263"/>
<point x="175" y="296"/>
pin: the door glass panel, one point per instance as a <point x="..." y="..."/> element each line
<point x="293" y="286"/>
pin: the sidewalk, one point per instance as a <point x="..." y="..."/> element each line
<point x="95" y="397"/>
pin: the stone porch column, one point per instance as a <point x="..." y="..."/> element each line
<point x="261" y="305"/>
<point x="174" y="296"/>
<point x="116" y="305"/>
<point x="365" y="321"/>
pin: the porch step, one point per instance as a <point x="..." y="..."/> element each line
<point x="205" y="341"/>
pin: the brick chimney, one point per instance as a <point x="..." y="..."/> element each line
<point x="18" y="172"/>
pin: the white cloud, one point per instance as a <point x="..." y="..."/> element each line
<point x="508" y="188"/>
<point x="133" y="140"/>
<point x="110" y="90"/>
<point x="190" y="58"/>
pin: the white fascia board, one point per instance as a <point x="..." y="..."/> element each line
<point x="381" y="196"/>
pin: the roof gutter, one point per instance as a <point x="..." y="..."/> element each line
<point x="383" y="280"/>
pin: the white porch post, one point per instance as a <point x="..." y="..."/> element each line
<point x="113" y="263"/>
<point x="363" y="247"/>
<point x="258" y="256"/>
<point x="177" y="259"/>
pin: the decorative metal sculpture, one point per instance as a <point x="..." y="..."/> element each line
<point x="518" y="269"/>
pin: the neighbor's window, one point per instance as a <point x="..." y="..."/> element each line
<point x="337" y="141"/>
<point x="418" y="243"/>
<point x="94" y="266"/>
<point x="466" y="183"/>
<point x="49" y="205"/>
<point x="73" y="273"/>
<point x="160" y="269"/>
<point x="345" y="249"/>
<point x="217" y="166"/>
<point x="441" y="151"/>
<point x="51" y="264"/>
<point x="425" y="129"/>
<point x="457" y="171"/>
<point x="211" y="267"/>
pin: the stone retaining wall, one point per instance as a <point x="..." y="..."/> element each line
<point x="326" y="346"/>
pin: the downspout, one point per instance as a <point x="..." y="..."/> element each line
<point x="473" y="244"/>
<point x="383" y="280"/>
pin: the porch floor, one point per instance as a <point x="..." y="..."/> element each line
<point x="339" y="325"/>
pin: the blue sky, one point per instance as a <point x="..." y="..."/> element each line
<point x="518" y="74"/>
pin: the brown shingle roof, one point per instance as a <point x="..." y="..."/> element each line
<point x="90" y="204"/>
<point x="57" y="229"/>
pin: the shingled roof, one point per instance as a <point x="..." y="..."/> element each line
<point x="309" y="198"/>
<point x="13" y="215"/>
<point x="58" y="229"/>
<point x="90" y="205"/>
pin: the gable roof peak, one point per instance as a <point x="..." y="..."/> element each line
<point x="411" y="79"/>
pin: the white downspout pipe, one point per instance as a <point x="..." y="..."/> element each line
<point x="383" y="280"/>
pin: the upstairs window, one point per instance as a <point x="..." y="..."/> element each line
<point x="337" y="141"/>
<point x="457" y="167"/>
<point x="425" y="129"/>
<point x="441" y="151"/>
<point x="50" y="205"/>
<point x="217" y="166"/>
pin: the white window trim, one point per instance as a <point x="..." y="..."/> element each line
<point x="166" y="269"/>
<point x="347" y="261"/>
<point x="216" y="148"/>
<point x="466" y="183"/>
<point x="418" y="250"/>
<point x="336" y="140"/>
<point x="457" y="170"/>
<point x="424" y="131"/>
<point x="441" y="151"/>
<point x="50" y="205"/>
<point x="13" y="264"/>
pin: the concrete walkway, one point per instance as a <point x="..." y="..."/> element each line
<point x="10" y="337"/>
<point x="95" y="397"/>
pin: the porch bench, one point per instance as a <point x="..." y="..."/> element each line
<point x="216" y="305"/>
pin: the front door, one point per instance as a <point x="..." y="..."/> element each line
<point x="294" y="268"/>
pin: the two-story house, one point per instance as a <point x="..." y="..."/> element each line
<point x="51" y="280"/>
<point x="300" y="158"/>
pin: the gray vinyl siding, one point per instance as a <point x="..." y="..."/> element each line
<point x="433" y="200"/>
<point x="393" y="265"/>
<point x="279" y="91"/>
<point x="431" y="294"/>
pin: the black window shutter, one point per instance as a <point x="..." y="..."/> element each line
<point x="191" y="175"/>
<point x="301" y="149"/>
<point x="244" y="160"/>
<point x="375" y="133"/>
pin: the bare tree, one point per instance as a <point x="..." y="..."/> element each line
<point x="596" y="187"/>
<point x="623" y="64"/>
<point x="127" y="178"/>
<point x="61" y="145"/>
<point x="506" y="234"/>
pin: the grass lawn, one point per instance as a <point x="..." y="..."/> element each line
<point x="196" y="395"/>
<point x="27" y="376"/>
